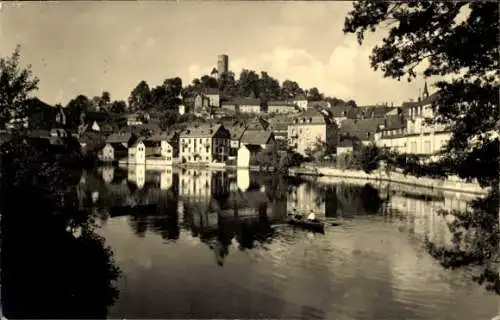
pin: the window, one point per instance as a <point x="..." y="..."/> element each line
<point x="427" y="147"/>
<point x="206" y="158"/>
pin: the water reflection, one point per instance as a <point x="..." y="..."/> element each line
<point x="191" y="221"/>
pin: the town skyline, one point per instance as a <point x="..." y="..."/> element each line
<point x="86" y="48"/>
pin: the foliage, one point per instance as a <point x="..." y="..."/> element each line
<point x="74" y="272"/>
<point x="482" y="248"/>
<point x="313" y="94"/>
<point x="290" y="90"/>
<point x="367" y="157"/>
<point x="16" y="86"/>
<point x="77" y="107"/>
<point x="465" y="48"/>
<point x="279" y="160"/>
<point x="140" y="97"/>
<point x="118" y="106"/>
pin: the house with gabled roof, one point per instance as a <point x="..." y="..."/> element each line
<point x="361" y="131"/>
<point x="281" y="107"/>
<point x="252" y="143"/>
<point x="204" y="143"/>
<point x="116" y="146"/>
<point x="163" y="145"/>
<point x="249" y="105"/>
<point x="311" y="128"/>
<point x="136" y="150"/>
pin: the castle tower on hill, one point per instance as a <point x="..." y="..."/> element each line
<point x="223" y="64"/>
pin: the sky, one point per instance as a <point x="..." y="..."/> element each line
<point x="88" y="47"/>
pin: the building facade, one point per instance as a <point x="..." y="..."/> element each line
<point x="205" y="143"/>
<point x="310" y="128"/>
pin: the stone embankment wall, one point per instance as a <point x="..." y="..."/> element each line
<point x="451" y="183"/>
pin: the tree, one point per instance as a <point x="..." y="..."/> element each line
<point x="16" y="86"/>
<point x="228" y="86"/>
<point x="214" y="73"/>
<point x="368" y="158"/>
<point x="105" y="98"/>
<point x="466" y="50"/>
<point x="290" y="90"/>
<point x="118" y="106"/>
<point x="269" y="88"/>
<point x="77" y="107"/>
<point x="140" y="97"/>
<point x="352" y="103"/>
<point x="314" y="95"/>
<point x="248" y="84"/>
<point x="208" y="82"/>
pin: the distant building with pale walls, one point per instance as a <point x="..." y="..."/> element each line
<point x="309" y="128"/>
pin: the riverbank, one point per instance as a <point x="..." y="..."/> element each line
<point x="450" y="184"/>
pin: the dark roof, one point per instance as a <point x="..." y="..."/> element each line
<point x="317" y="104"/>
<point x="134" y="141"/>
<point x="279" y="122"/>
<point x="153" y="127"/>
<point x="313" y="116"/>
<point x="393" y="122"/>
<point x="373" y="111"/>
<point x="363" y="129"/>
<point x="344" y="111"/>
<point x="258" y="123"/>
<point x="253" y="147"/>
<point x="256" y="137"/>
<point x="159" y="136"/>
<point x="201" y="131"/>
<point x="121" y="137"/>
<point x="247" y="101"/>
<point x="236" y="128"/>
<point x="281" y="103"/>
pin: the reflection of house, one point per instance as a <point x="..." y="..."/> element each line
<point x="304" y="198"/>
<point x="116" y="147"/>
<point x="137" y="175"/>
<point x="204" y="143"/>
<point x="136" y="151"/>
<point x="195" y="184"/>
<point x="243" y="179"/>
<point x="108" y="174"/>
<point x="166" y="179"/>
<point x="310" y="128"/>
<point x="253" y="142"/>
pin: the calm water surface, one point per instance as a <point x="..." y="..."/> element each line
<point x="215" y="246"/>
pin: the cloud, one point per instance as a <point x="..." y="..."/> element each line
<point x="345" y="74"/>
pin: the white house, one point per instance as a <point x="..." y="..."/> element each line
<point x="95" y="126"/>
<point x="204" y="143"/>
<point x="213" y="97"/>
<point x="136" y="151"/>
<point x="301" y="102"/>
<point x="162" y="145"/>
<point x="253" y="142"/>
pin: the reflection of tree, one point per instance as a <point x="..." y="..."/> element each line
<point x="482" y="249"/>
<point x="370" y="199"/>
<point x="48" y="269"/>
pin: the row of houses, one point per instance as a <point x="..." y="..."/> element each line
<point x="208" y="143"/>
<point x="403" y="129"/>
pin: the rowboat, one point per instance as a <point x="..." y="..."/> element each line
<point x="312" y="225"/>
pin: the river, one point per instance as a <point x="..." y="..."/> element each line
<point x="213" y="244"/>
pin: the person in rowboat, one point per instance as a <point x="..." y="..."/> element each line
<point x="311" y="216"/>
